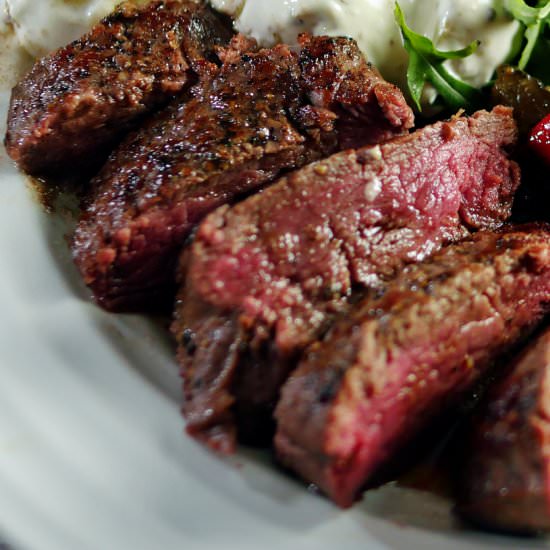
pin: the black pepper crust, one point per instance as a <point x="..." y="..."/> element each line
<point x="76" y="103"/>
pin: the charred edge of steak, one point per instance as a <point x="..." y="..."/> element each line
<point x="383" y="372"/>
<point x="369" y="109"/>
<point x="226" y="384"/>
<point x="286" y="262"/>
<point x="505" y="471"/>
<point x="216" y="345"/>
<point x="246" y="124"/>
<point x="76" y="103"/>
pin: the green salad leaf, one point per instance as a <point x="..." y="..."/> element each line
<point x="426" y="64"/>
<point x="535" y="20"/>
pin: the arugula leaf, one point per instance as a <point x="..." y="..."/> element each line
<point x="521" y="11"/>
<point x="534" y="19"/>
<point x="538" y="65"/>
<point x="426" y="65"/>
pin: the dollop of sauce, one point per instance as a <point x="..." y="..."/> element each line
<point x="44" y="25"/>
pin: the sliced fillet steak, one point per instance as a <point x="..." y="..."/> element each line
<point x="75" y="103"/>
<point x="393" y="363"/>
<point x="505" y="480"/>
<point x="263" y="112"/>
<point x="265" y="278"/>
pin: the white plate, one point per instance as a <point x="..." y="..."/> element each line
<point x="92" y="450"/>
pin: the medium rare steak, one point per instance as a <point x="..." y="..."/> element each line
<point x="263" y="112"/>
<point x="265" y="278"/>
<point x="77" y="102"/>
<point x="385" y="370"/>
<point x="505" y="481"/>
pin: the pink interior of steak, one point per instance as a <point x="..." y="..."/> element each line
<point x="427" y="341"/>
<point x="378" y="426"/>
<point x="245" y="125"/>
<point x="352" y="219"/>
<point x="282" y="264"/>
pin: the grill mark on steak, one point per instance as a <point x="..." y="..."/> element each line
<point x="76" y="103"/>
<point x="385" y="370"/>
<point x="279" y="266"/>
<point x="246" y="124"/>
<point x="505" y="482"/>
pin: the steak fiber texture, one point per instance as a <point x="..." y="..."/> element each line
<point x="394" y="363"/>
<point x="265" y="278"/>
<point x="76" y="103"/>
<point x="263" y="112"/>
<point x="505" y="481"/>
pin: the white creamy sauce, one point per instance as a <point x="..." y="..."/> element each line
<point x="450" y="24"/>
<point x="44" y="25"/>
<point x="468" y="20"/>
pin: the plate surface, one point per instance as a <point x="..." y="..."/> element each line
<point x="92" y="450"/>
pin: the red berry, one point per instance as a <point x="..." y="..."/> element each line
<point x="539" y="138"/>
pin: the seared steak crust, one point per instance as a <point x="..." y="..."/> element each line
<point x="368" y="109"/>
<point x="247" y="122"/>
<point x="265" y="278"/>
<point x="385" y="370"/>
<point x="506" y="475"/>
<point x="77" y="102"/>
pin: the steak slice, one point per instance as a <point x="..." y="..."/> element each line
<point x="75" y="103"/>
<point x="387" y="369"/>
<point x="265" y="278"/>
<point x="506" y="476"/>
<point x="263" y="112"/>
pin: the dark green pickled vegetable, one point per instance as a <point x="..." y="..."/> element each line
<point x="527" y="95"/>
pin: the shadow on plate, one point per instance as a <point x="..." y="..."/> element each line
<point x="251" y="480"/>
